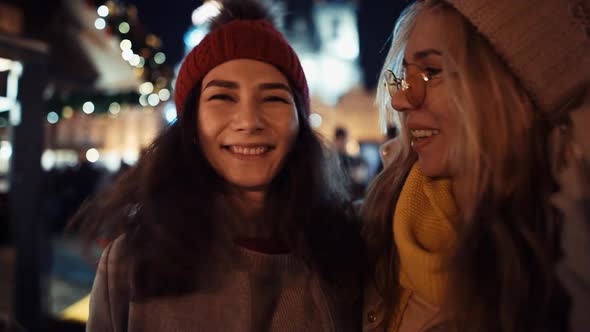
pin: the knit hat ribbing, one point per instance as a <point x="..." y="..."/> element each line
<point x="240" y="39"/>
<point x="545" y="43"/>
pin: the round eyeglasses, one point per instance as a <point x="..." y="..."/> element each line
<point x="413" y="84"/>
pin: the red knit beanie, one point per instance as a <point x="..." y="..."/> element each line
<point x="240" y="39"/>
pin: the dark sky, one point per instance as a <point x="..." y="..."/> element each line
<point x="169" y="20"/>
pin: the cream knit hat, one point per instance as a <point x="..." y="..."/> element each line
<point x="546" y="43"/>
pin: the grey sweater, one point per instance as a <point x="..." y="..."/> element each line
<point x="244" y="290"/>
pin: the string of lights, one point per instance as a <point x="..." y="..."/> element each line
<point x="139" y="48"/>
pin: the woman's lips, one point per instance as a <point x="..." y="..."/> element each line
<point x="422" y="137"/>
<point x="248" y="152"/>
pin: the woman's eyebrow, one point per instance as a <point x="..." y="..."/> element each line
<point x="274" y="86"/>
<point x="222" y="84"/>
<point x="420" y="55"/>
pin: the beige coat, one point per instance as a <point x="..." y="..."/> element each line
<point x="418" y="315"/>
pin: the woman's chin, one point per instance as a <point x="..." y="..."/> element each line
<point x="249" y="186"/>
<point x="433" y="168"/>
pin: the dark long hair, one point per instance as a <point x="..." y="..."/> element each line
<point x="163" y="206"/>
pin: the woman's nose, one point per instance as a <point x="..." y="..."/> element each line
<point x="248" y="117"/>
<point x="399" y="101"/>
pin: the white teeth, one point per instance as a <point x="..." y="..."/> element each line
<point x="248" y="151"/>
<point x="422" y="133"/>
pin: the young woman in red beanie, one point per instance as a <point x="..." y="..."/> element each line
<point x="233" y="219"/>
<point x="461" y="230"/>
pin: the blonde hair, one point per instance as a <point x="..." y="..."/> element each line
<point x="500" y="166"/>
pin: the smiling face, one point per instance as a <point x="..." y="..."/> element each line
<point x="430" y="124"/>
<point x="247" y="122"/>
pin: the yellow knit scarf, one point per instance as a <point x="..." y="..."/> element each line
<point x="424" y="234"/>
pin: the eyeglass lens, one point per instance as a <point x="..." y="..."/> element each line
<point x="412" y="84"/>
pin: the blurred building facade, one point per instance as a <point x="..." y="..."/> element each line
<point x="81" y="83"/>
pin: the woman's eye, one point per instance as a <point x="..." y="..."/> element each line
<point x="277" y="99"/>
<point x="221" y="97"/>
<point x="431" y="72"/>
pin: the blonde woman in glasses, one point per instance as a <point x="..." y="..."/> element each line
<point x="460" y="230"/>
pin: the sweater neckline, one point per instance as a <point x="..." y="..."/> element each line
<point x="266" y="263"/>
<point x="254" y="252"/>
